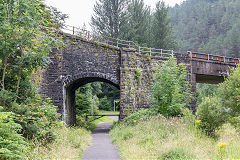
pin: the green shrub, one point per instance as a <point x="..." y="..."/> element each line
<point x="229" y="92"/>
<point x="37" y="120"/>
<point x="211" y="114"/>
<point x="6" y="98"/>
<point x="171" y="90"/>
<point x="12" y="144"/>
<point x="224" y="106"/>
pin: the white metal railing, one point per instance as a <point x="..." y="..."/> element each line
<point x="90" y="36"/>
<point x="155" y="52"/>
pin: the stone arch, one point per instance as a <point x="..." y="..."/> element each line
<point x="71" y="83"/>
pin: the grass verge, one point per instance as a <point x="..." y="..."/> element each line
<point x="108" y="112"/>
<point x="70" y="143"/>
<point x="176" y="138"/>
<point x="94" y="124"/>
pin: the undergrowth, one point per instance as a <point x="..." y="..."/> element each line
<point x="70" y="143"/>
<point x="173" y="138"/>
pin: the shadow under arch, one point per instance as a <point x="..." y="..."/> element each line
<point x="72" y="84"/>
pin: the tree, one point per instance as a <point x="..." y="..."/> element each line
<point x="110" y="17"/>
<point x="25" y="40"/>
<point x="223" y="106"/>
<point x="229" y="92"/>
<point x="107" y="96"/>
<point x="139" y="22"/>
<point x="234" y="42"/>
<point x="170" y="89"/>
<point x="161" y="29"/>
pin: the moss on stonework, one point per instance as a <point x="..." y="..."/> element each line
<point x="98" y="45"/>
<point x="138" y="74"/>
<point x="149" y="59"/>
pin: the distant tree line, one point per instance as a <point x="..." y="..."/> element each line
<point x="210" y="26"/>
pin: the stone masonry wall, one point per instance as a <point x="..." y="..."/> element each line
<point x="77" y="63"/>
<point x="137" y="77"/>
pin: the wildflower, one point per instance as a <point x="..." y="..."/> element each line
<point x="221" y="144"/>
<point x="232" y="139"/>
<point x="134" y="121"/>
<point x="198" y="121"/>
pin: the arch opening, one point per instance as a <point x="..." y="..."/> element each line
<point x="69" y="92"/>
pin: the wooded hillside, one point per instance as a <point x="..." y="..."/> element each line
<point x="210" y="26"/>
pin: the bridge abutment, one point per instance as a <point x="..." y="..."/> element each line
<point x="69" y="114"/>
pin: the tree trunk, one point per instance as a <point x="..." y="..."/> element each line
<point x="19" y="79"/>
<point x="4" y="72"/>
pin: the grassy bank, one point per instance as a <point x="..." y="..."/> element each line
<point x="70" y="143"/>
<point x="161" y="138"/>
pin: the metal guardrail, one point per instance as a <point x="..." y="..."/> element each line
<point x="90" y="36"/>
<point x="211" y="57"/>
<point x="155" y="52"/>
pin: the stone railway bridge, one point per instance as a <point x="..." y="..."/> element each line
<point x="82" y="61"/>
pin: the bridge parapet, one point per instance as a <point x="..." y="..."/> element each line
<point x="214" y="58"/>
<point x="91" y="36"/>
<point x="119" y="43"/>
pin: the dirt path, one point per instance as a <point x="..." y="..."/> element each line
<point x="101" y="148"/>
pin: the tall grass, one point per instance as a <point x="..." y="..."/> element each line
<point x="70" y="143"/>
<point x="175" y="138"/>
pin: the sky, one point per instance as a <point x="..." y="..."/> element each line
<point x="80" y="11"/>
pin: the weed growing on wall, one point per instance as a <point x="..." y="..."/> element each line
<point x="138" y="74"/>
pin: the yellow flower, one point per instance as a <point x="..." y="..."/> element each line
<point x="134" y="121"/>
<point x="221" y="144"/>
<point x="198" y="121"/>
<point x="232" y="139"/>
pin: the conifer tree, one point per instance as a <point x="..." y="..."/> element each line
<point x="234" y="50"/>
<point x="110" y="17"/>
<point x="161" y="28"/>
<point x="139" y="22"/>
